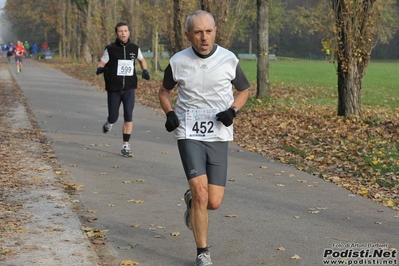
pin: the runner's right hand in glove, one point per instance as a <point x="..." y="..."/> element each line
<point x="172" y="122"/>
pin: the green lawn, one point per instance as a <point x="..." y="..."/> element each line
<point x="380" y="86"/>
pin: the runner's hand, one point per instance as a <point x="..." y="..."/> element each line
<point x="145" y="74"/>
<point x="100" y="70"/>
<point x="172" y="122"/>
<point x="226" y="117"/>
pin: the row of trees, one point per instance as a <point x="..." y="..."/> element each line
<point x="81" y="29"/>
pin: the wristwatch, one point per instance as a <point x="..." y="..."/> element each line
<point x="235" y="109"/>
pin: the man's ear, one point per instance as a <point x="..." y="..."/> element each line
<point x="187" y="35"/>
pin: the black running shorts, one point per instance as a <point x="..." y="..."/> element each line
<point x="204" y="158"/>
<point x="115" y="98"/>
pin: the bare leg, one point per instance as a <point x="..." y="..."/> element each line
<point x="127" y="129"/>
<point x="204" y="196"/>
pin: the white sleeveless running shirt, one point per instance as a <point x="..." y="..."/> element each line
<point x="204" y="85"/>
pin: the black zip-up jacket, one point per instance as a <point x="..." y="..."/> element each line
<point x="117" y="51"/>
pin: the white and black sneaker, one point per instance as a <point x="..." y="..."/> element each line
<point x="203" y="259"/>
<point x="126" y="151"/>
<point x="107" y="127"/>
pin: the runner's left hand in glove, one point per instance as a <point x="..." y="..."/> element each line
<point x="145" y="74"/>
<point x="100" y="70"/>
<point x="226" y="117"/>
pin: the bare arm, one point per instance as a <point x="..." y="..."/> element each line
<point x="143" y="63"/>
<point x="165" y="99"/>
<point x="241" y="98"/>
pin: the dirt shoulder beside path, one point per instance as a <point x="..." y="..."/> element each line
<point x="37" y="223"/>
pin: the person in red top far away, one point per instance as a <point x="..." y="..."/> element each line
<point x="44" y="47"/>
<point x="19" y="51"/>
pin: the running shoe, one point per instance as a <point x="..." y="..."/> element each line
<point x="107" y="127"/>
<point x="203" y="259"/>
<point x="126" y="151"/>
<point x="187" y="200"/>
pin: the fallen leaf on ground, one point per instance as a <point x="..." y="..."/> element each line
<point x="295" y="257"/>
<point x="128" y="263"/>
<point x="127" y="247"/>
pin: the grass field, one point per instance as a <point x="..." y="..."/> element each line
<point x="380" y="86"/>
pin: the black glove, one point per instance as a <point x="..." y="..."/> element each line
<point x="226" y="117"/>
<point x="172" y="122"/>
<point x="100" y="70"/>
<point x="145" y="74"/>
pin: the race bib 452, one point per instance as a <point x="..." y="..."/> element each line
<point x="201" y="123"/>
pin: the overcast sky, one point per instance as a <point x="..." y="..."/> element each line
<point x="2" y="2"/>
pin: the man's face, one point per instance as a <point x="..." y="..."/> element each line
<point x="123" y="33"/>
<point x="202" y="34"/>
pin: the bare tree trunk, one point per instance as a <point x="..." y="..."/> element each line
<point x="62" y="30"/>
<point x="105" y="22"/>
<point x="179" y="28"/>
<point x="134" y="20"/>
<point x="355" y="29"/>
<point x="263" y="81"/>
<point x="85" y="49"/>
<point x="349" y="87"/>
<point x="68" y="29"/>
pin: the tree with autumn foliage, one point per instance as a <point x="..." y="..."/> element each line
<point x="29" y="18"/>
<point x="356" y="25"/>
<point x="352" y="28"/>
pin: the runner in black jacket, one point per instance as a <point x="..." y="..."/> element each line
<point x="118" y="66"/>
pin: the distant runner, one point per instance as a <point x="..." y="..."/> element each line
<point x="19" y="51"/>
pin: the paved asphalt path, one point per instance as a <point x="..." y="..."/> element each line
<point x="272" y="214"/>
